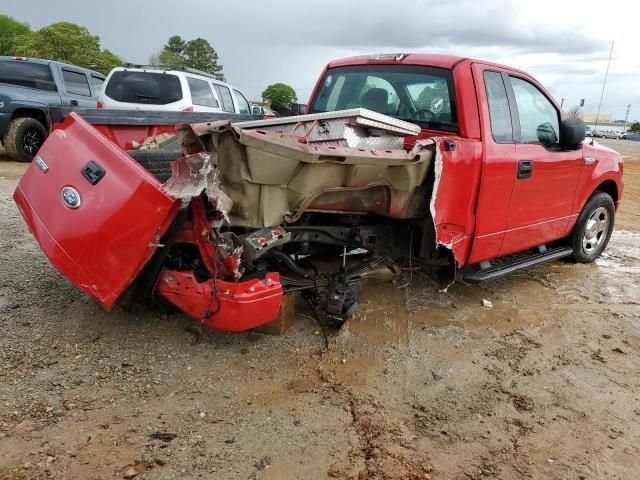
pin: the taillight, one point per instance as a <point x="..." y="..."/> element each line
<point x="99" y="105"/>
<point x="188" y="109"/>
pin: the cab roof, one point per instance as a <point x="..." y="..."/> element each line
<point x="425" y="59"/>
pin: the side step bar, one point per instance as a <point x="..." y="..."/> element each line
<point x="518" y="263"/>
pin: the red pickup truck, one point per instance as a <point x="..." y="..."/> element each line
<point x="463" y="167"/>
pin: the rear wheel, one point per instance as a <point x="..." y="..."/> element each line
<point x="593" y="228"/>
<point x="24" y="138"/>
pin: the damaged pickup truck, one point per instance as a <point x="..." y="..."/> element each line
<point x="457" y="166"/>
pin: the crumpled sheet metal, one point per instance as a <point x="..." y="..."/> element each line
<point x="193" y="174"/>
<point x="272" y="178"/>
<point x="266" y="179"/>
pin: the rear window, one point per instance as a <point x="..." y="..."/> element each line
<point x="201" y="93"/>
<point x="33" y="75"/>
<point x="417" y="94"/>
<point x="144" y="87"/>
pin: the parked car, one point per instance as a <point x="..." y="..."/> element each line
<point x="605" y="134"/>
<point x="28" y="87"/>
<point x="139" y="87"/>
<point x="633" y="136"/>
<point x="461" y="167"/>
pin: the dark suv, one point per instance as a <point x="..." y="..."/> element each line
<point x="28" y="87"/>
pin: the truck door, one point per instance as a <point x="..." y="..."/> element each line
<point x="546" y="178"/>
<point x="498" y="166"/>
<point x="77" y="92"/>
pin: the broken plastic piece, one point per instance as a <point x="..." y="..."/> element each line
<point x="232" y="306"/>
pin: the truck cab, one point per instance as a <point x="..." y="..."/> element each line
<point x="518" y="172"/>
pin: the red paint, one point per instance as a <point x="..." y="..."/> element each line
<point x="481" y="210"/>
<point x="125" y="135"/>
<point x="237" y="305"/>
<point x="103" y="244"/>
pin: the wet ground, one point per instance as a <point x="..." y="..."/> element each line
<point x="421" y="384"/>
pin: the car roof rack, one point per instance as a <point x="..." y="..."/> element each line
<point x="179" y="69"/>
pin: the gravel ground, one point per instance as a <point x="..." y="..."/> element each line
<point x="421" y="384"/>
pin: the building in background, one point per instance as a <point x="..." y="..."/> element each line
<point x="606" y="123"/>
<point x="591" y="117"/>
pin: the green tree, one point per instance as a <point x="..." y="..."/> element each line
<point x="10" y="30"/>
<point x="172" y="55"/>
<point x="280" y="93"/>
<point x="201" y="55"/>
<point x="107" y="61"/>
<point x="196" y="53"/>
<point x="69" y="43"/>
<point x="635" y="127"/>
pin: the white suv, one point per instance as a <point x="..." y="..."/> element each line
<point x="140" y="87"/>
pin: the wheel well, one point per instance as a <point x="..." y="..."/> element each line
<point x="31" y="113"/>
<point x="609" y="187"/>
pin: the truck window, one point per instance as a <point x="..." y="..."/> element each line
<point x="499" y="113"/>
<point x="144" y="87"/>
<point x="25" y="74"/>
<point x="243" y="105"/>
<point x="201" y="93"/>
<point x="225" y="96"/>
<point x="97" y="84"/>
<point x="76" y="83"/>
<point x="418" y="94"/>
<point x="538" y="118"/>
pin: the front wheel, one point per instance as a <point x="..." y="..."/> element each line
<point x="593" y="228"/>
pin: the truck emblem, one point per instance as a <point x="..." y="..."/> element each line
<point x="70" y="197"/>
<point x="41" y="164"/>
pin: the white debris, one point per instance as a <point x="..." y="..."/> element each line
<point x="487" y="303"/>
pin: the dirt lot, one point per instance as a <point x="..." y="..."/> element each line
<point x="421" y="384"/>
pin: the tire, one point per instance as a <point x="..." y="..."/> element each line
<point x="156" y="162"/>
<point x="24" y="138"/>
<point x="593" y="229"/>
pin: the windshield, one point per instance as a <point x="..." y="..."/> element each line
<point x="422" y="95"/>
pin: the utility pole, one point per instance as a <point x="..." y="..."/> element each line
<point x="561" y="103"/>
<point x="626" y="118"/>
<point x="604" y="84"/>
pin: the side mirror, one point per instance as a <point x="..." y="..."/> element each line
<point x="257" y="110"/>
<point x="572" y="133"/>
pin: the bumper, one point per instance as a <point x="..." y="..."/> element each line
<point x="227" y="306"/>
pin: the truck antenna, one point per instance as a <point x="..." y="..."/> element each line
<point x="604" y="84"/>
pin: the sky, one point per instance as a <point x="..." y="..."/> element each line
<point x="565" y="44"/>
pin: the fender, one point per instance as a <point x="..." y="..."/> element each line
<point x="606" y="166"/>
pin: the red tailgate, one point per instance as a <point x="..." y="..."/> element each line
<point x="101" y="242"/>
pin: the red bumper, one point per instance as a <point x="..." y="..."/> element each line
<point x="235" y="307"/>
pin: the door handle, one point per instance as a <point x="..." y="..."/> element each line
<point x="525" y="169"/>
<point x="74" y="103"/>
